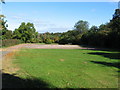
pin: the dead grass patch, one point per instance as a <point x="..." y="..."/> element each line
<point x="7" y="64"/>
<point x="61" y="60"/>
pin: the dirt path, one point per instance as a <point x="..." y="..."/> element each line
<point x="5" y="51"/>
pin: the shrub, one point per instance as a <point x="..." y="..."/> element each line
<point x="48" y="41"/>
<point x="10" y="42"/>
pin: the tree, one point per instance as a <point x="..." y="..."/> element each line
<point x="3" y="1"/>
<point x="70" y="37"/>
<point x="2" y="22"/>
<point x="114" y="35"/>
<point x="26" y="32"/>
<point x="82" y="26"/>
<point x="104" y="27"/>
<point x="115" y="24"/>
<point x="4" y="32"/>
<point x="94" y="29"/>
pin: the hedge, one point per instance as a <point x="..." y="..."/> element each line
<point x="9" y="42"/>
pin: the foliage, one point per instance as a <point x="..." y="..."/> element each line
<point x="10" y="42"/>
<point x="82" y="26"/>
<point x="94" y="29"/>
<point x="4" y="32"/>
<point x="70" y="37"/>
<point x="26" y="33"/>
<point x="2" y="22"/>
<point x="49" y="37"/>
<point x="48" y="41"/>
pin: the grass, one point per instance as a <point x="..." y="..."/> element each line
<point x="69" y="68"/>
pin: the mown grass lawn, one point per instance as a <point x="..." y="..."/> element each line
<point x="69" y="68"/>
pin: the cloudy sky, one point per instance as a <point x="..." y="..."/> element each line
<point x="57" y="16"/>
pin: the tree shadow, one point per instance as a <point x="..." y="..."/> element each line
<point x="115" y="64"/>
<point x="99" y="48"/>
<point x="12" y="81"/>
<point x="107" y="55"/>
<point x="112" y="55"/>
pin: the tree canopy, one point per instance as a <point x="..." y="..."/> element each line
<point x="82" y="26"/>
<point x="26" y="32"/>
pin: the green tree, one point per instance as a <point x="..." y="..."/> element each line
<point x="4" y="32"/>
<point x="104" y="27"/>
<point x="7" y="34"/>
<point x="94" y="29"/>
<point x="115" y="24"/>
<point x="70" y="37"/>
<point x="82" y="26"/>
<point x="3" y="24"/>
<point x="26" y="32"/>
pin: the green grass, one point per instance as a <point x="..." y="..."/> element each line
<point x="69" y="68"/>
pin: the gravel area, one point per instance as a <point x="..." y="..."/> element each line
<point x="37" y="46"/>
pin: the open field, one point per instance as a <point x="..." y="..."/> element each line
<point x="64" y="68"/>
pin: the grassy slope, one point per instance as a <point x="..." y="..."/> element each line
<point x="70" y="68"/>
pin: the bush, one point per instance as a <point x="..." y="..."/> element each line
<point x="10" y="42"/>
<point x="48" y="41"/>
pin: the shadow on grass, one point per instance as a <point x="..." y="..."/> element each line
<point x="12" y="81"/>
<point x="100" y="48"/>
<point x="112" y="55"/>
<point x="107" y="55"/>
<point x="115" y="64"/>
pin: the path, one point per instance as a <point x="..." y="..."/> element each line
<point x="5" y="51"/>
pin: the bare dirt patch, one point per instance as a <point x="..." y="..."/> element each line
<point x="51" y="46"/>
<point x="61" y="60"/>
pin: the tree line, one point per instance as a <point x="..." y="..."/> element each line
<point x="105" y="35"/>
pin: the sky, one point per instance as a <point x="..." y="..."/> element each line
<point x="57" y="16"/>
<point x="61" y="0"/>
